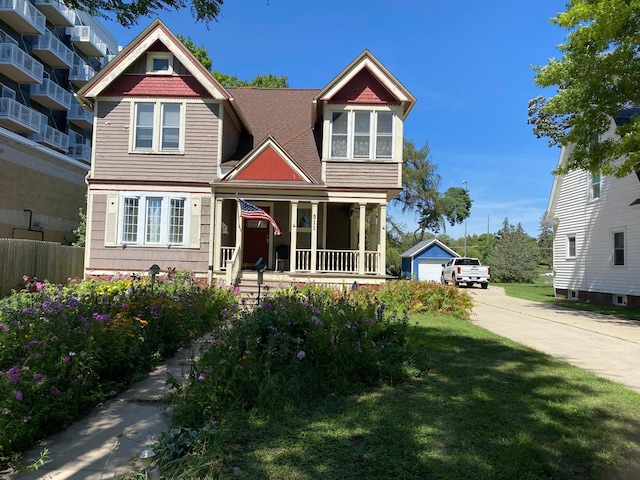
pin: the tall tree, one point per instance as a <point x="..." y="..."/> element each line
<point x="420" y="194"/>
<point x="545" y="245"/>
<point x="268" y="80"/>
<point x="128" y="13"/>
<point x="515" y="255"/>
<point x="597" y="79"/>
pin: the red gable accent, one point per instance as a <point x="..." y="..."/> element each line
<point x="364" y="88"/>
<point x="268" y="166"/>
<point x="157" y="86"/>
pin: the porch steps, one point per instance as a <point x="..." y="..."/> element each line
<point x="249" y="291"/>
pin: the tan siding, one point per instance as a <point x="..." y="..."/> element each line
<point x="362" y="174"/>
<point x="135" y="258"/>
<point x="113" y="160"/>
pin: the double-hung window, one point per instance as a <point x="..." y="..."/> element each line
<point x="594" y="187"/>
<point x="571" y="246"/>
<point x="361" y="134"/>
<point x="158" y="127"/>
<point x="153" y="219"/>
<point x="618" y="249"/>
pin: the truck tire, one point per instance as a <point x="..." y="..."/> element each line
<point x="485" y="285"/>
<point x="454" y="282"/>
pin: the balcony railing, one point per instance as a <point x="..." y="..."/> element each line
<point x="52" y="51"/>
<point x="57" y="12"/>
<point x="226" y="255"/>
<point x="80" y="152"/>
<point x="87" y="41"/>
<point x="19" y="118"/>
<point x="23" y="17"/>
<point x="19" y="65"/>
<point x="51" y="137"/>
<point x="51" y="95"/>
<point x="337" y="261"/>
<point x="80" y="73"/>
<point x="79" y="116"/>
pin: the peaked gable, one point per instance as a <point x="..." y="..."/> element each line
<point x="363" y="70"/>
<point x="268" y="163"/>
<point x="156" y="37"/>
<point x="438" y="249"/>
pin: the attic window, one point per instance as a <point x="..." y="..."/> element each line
<point x="160" y="63"/>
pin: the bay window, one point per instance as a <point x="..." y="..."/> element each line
<point x="158" y="127"/>
<point x="361" y="134"/>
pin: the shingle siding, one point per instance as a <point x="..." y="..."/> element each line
<point x="362" y="174"/>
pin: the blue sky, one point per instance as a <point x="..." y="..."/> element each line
<point x="467" y="62"/>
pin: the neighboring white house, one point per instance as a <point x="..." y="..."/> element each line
<point x="596" y="247"/>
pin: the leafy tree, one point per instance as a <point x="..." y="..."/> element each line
<point x="81" y="231"/>
<point x="515" y="256"/>
<point x="597" y="79"/>
<point x="398" y="242"/>
<point x="268" y="80"/>
<point x="545" y="245"/>
<point x="420" y="193"/>
<point x="128" y="13"/>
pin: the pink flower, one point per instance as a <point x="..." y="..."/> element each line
<point x="201" y="377"/>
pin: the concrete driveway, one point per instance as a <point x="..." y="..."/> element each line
<point x="606" y="346"/>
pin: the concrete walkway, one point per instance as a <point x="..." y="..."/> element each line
<point x="608" y="347"/>
<point x="109" y="441"/>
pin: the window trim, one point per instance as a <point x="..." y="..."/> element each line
<point x="165" y="219"/>
<point x="374" y="134"/>
<point x="157" y="127"/>
<point x="159" y="56"/>
<point x="615" y="232"/>
<point x="569" y="238"/>
<point x="592" y="187"/>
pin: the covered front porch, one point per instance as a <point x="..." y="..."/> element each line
<point x="324" y="240"/>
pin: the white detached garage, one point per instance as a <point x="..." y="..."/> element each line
<point x="424" y="260"/>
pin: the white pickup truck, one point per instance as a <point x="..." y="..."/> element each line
<point x="465" y="270"/>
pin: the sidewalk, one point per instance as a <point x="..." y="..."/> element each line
<point x="108" y="441"/>
<point x="606" y="346"/>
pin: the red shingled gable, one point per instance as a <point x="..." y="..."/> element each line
<point x="157" y="86"/>
<point x="268" y="165"/>
<point x="364" y="88"/>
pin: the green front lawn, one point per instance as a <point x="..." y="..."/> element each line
<point x="477" y="406"/>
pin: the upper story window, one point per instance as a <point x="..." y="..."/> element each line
<point x="160" y="63"/>
<point x="594" y="187"/>
<point x="158" y="127"/>
<point x="361" y="134"/>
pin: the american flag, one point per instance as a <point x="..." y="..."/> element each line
<point x="251" y="212"/>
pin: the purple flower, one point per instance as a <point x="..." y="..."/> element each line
<point x="38" y="377"/>
<point x="301" y="355"/>
<point x="112" y="393"/>
<point x="247" y="352"/>
<point x="13" y="374"/>
<point x="224" y="311"/>
<point x="201" y="377"/>
<point x="18" y="395"/>
<point x="55" y="391"/>
<point x="26" y="419"/>
<point x="155" y="308"/>
<point x="73" y="303"/>
<point x="66" y="359"/>
<point x="267" y="305"/>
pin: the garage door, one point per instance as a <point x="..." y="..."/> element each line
<point x="430" y="270"/>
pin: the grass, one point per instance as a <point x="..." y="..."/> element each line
<point x="542" y="291"/>
<point x="477" y="406"/>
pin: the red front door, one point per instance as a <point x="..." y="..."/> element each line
<point x="256" y="241"/>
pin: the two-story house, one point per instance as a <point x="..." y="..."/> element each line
<point x="596" y="222"/>
<point x="176" y="154"/>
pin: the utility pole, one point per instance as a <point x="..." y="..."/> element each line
<point x="464" y="182"/>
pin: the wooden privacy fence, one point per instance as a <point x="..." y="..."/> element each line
<point x="44" y="260"/>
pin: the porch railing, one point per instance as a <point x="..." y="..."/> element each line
<point x="337" y="261"/>
<point x="232" y="268"/>
<point x="226" y="254"/>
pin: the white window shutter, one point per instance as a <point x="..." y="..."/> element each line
<point x="111" y="222"/>
<point x="195" y="218"/>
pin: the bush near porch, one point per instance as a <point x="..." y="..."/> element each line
<point x="64" y="349"/>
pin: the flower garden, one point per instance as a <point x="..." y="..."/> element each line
<point x="65" y="349"/>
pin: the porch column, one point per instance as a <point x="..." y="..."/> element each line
<point x="293" y="254"/>
<point x="217" y="234"/>
<point x="382" y="244"/>
<point x="361" y="237"/>
<point x="314" y="237"/>
<point x="238" y="231"/>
